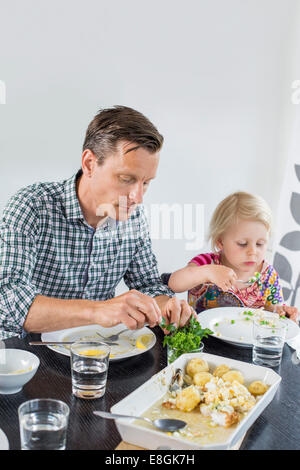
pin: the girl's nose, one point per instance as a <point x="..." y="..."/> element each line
<point x="251" y="249"/>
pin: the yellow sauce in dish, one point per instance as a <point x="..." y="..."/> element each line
<point x="199" y="428"/>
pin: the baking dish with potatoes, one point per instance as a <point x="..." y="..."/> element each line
<point x="219" y="399"/>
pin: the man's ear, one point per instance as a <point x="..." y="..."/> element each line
<point x="88" y="162"/>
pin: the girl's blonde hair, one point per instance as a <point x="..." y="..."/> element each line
<point x="239" y="205"/>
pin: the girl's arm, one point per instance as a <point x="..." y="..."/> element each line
<point x="186" y="278"/>
<point x="193" y="275"/>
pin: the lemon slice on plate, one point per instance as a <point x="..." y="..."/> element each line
<point x="94" y="352"/>
<point x="143" y="341"/>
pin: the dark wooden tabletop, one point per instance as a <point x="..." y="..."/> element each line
<point x="277" y="428"/>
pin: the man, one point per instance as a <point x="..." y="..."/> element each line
<point x="65" y="246"/>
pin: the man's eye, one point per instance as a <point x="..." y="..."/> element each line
<point x="242" y="244"/>
<point x="260" y="244"/>
<point x="125" y="180"/>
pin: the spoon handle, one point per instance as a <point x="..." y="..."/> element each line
<point x="105" y="414"/>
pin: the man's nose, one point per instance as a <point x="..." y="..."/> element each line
<point x="136" y="194"/>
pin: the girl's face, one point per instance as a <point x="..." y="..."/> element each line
<point x="244" y="246"/>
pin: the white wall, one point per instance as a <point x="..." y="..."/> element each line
<point x="211" y="74"/>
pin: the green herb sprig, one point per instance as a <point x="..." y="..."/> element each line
<point x="185" y="339"/>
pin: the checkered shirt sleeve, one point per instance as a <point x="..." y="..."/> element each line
<point x="17" y="260"/>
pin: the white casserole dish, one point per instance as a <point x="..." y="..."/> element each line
<point x="139" y="401"/>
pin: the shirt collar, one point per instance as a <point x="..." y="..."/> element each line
<point x="70" y="199"/>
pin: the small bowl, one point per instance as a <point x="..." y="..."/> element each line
<point x="17" y="367"/>
<point x="172" y="354"/>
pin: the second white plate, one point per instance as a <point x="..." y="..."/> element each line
<point x="230" y="325"/>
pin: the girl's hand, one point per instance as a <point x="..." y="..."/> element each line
<point x="291" y="312"/>
<point x="222" y="276"/>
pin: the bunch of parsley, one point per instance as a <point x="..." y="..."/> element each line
<point x="185" y="339"/>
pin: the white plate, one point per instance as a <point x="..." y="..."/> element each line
<point x="126" y="343"/>
<point x="4" y="445"/>
<point x="139" y="401"/>
<point x="232" y="326"/>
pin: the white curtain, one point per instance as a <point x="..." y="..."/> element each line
<point x="286" y="247"/>
<point x="287" y="232"/>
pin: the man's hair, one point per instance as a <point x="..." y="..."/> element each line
<point x="112" y="125"/>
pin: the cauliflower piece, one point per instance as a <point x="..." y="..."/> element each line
<point x="221" y="414"/>
<point x="205" y="410"/>
<point x="225" y="416"/>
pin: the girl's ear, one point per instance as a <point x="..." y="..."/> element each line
<point x="219" y="244"/>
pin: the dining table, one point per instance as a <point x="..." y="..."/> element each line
<point x="277" y="428"/>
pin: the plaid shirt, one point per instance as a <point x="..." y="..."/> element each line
<point x="47" y="248"/>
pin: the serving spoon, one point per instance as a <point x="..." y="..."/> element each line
<point x="162" y="424"/>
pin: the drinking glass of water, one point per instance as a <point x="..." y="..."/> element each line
<point x="268" y="340"/>
<point x="43" y="424"/>
<point x="89" y="368"/>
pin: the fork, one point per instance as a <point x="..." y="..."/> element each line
<point x="248" y="283"/>
<point x="112" y="337"/>
<point x="244" y="282"/>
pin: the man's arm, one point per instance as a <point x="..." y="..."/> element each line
<point x="143" y="276"/>
<point x="24" y="308"/>
<point x="132" y="308"/>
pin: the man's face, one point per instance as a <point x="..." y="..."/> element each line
<point x="119" y="184"/>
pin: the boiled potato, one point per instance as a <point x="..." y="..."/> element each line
<point x="188" y="399"/>
<point x="257" y="388"/>
<point x="232" y="375"/>
<point x="221" y="370"/>
<point x="201" y="378"/>
<point x="196" y="365"/>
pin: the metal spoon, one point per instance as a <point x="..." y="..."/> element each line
<point x="162" y="424"/>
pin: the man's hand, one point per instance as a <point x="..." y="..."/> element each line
<point x="132" y="308"/>
<point x="176" y="311"/>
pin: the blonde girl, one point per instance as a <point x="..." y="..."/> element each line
<point x="239" y="232"/>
